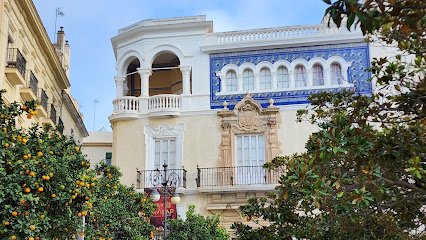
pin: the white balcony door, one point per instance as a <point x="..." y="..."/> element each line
<point x="250" y="156"/>
<point x="164" y="152"/>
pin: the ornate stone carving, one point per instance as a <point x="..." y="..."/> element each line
<point x="248" y="117"/>
<point x="164" y="130"/>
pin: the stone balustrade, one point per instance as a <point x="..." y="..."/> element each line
<point x="276" y="33"/>
<point x="154" y="106"/>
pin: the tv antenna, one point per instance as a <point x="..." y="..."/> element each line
<point x="59" y="12"/>
<point x="96" y="101"/>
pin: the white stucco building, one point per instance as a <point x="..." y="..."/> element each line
<point x="182" y="100"/>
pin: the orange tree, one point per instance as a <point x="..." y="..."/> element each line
<point x="196" y="226"/>
<point x="46" y="187"/>
<point x="37" y="172"/>
<point x="117" y="211"/>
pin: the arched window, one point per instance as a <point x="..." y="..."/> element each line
<point x="282" y="78"/>
<point x="318" y="75"/>
<point x="231" y="81"/>
<point x="300" y="76"/>
<point x="248" y="80"/>
<point x="336" y="74"/>
<point x="265" y="79"/>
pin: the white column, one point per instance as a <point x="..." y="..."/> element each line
<point x="222" y="83"/>
<point x="291" y="78"/>
<point x="309" y="78"/>
<point x="240" y="82"/>
<point x="256" y="81"/>
<point x="327" y="77"/>
<point x="274" y="80"/>
<point x="119" y="83"/>
<point x="144" y="73"/>
<point x="186" y="79"/>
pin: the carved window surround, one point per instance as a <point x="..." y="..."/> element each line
<point x="162" y="132"/>
<point x="248" y="117"/>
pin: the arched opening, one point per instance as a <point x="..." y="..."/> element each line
<point x="166" y="76"/>
<point x="133" y="79"/>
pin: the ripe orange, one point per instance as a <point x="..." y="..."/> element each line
<point x="6" y="223"/>
<point x="40" y="154"/>
<point x="32" y="174"/>
<point x="14" y="214"/>
<point x="27" y="190"/>
<point x="50" y="174"/>
<point x="29" y="116"/>
<point x="53" y="195"/>
<point x="13" y="237"/>
<point x="77" y="149"/>
<point x="32" y="227"/>
<point x="6" y="144"/>
<point x="40" y="189"/>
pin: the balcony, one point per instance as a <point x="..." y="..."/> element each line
<point x="15" y="67"/>
<point x="29" y="92"/>
<point x="60" y="126"/>
<point x="42" y="107"/>
<point x="225" y="179"/>
<point x="164" y="105"/>
<point x="158" y="106"/>
<point x="152" y="178"/>
<point x="52" y="117"/>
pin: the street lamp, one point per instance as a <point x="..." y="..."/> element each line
<point x="169" y="183"/>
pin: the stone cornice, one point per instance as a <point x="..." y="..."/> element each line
<point x="270" y="44"/>
<point x="37" y="25"/>
<point x="75" y="115"/>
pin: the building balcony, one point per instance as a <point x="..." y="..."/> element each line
<point x="29" y="91"/>
<point x="158" y="106"/>
<point x="230" y="179"/>
<point x="15" y="67"/>
<point x="153" y="178"/>
<point x="42" y="107"/>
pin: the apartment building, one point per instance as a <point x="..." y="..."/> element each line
<point x="216" y="106"/>
<point x="37" y="69"/>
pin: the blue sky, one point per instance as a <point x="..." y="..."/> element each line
<point x="90" y="24"/>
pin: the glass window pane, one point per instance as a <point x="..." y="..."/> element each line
<point x="318" y="75"/>
<point x="282" y="78"/>
<point x="300" y="76"/>
<point x="231" y="81"/>
<point x="265" y="79"/>
<point x="248" y="80"/>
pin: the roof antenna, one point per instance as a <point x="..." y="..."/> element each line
<point x="94" y="112"/>
<point x="59" y="12"/>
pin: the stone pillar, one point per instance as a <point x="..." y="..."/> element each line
<point x="327" y="76"/>
<point x="186" y="80"/>
<point x="222" y="83"/>
<point x="144" y="73"/>
<point x="256" y="81"/>
<point x="291" y="78"/>
<point x="240" y="82"/>
<point x="309" y="78"/>
<point x="274" y="80"/>
<point x="119" y="82"/>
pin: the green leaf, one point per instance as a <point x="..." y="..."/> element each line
<point x="340" y="195"/>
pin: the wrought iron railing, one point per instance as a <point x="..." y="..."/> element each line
<point x="152" y="178"/>
<point x="60" y="126"/>
<point x="229" y="176"/>
<point x="43" y="99"/>
<point x="33" y="83"/>
<point x="53" y="113"/>
<point x="15" y="59"/>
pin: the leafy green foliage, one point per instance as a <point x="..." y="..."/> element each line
<point x="46" y="187"/>
<point x="363" y="174"/>
<point x="117" y="211"/>
<point x="196" y="227"/>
